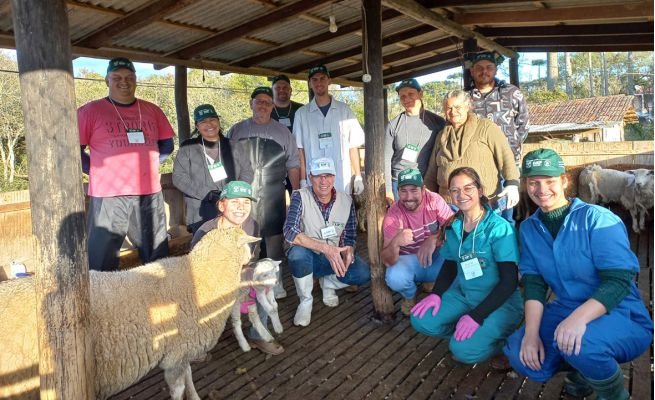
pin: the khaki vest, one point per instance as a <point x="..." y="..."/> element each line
<point x="311" y="221"/>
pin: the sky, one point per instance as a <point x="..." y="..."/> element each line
<point x="526" y="70"/>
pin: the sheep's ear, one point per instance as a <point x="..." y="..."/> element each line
<point x="246" y="239"/>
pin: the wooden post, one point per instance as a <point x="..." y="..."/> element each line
<point x="67" y="366"/>
<point x="374" y="163"/>
<point x="514" y="71"/>
<point x="181" y="104"/>
<point x="470" y="46"/>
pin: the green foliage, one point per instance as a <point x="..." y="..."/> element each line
<point x="640" y="131"/>
<point x="541" y="96"/>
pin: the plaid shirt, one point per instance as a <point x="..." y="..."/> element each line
<point x="294" y="216"/>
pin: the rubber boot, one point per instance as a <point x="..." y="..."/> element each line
<point x="329" y="284"/>
<point x="611" y="388"/>
<point x="304" y="288"/>
<point x="576" y="385"/>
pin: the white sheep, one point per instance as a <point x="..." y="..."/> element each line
<point x="164" y="314"/>
<point x="643" y="194"/>
<point x="260" y="278"/>
<point x="598" y="185"/>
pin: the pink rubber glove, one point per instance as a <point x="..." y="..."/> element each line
<point x="466" y="327"/>
<point x="432" y="300"/>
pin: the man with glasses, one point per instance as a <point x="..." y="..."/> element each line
<point x="411" y="244"/>
<point x="265" y="153"/>
<point x="327" y="127"/>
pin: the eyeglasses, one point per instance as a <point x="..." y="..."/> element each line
<point x="468" y="189"/>
<point x="263" y="102"/>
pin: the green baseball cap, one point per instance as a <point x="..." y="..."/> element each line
<point x="491" y="56"/>
<point x="542" y="162"/>
<point x="280" y="78"/>
<point x="262" y="89"/>
<point x="237" y="190"/>
<point x="409" y="83"/>
<point x="204" y="111"/>
<point x="319" y="69"/>
<point x="118" y="63"/>
<point x="410" y="176"/>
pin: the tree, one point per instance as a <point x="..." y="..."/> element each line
<point x="539" y="63"/>
<point x="12" y="130"/>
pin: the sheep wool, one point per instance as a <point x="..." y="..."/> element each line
<point x="164" y="314"/>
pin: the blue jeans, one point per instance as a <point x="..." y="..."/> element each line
<point x="394" y="189"/>
<point x="303" y="261"/>
<point x="406" y="272"/>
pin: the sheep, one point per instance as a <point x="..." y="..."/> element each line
<point x="597" y="185"/>
<point x="643" y="195"/>
<point x="164" y="314"/>
<point x="257" y="281"/>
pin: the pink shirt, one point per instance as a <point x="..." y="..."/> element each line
<point x="119" y="168"/>
<point x="427" y="218"/>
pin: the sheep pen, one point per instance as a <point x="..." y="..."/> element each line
<point x="164" y="314"/>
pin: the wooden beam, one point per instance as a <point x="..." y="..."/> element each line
<point x="586" y="48"/>
<point x="413" y="9"/>
<point x="399" y="75"/>
<point x="141" y="17"/>
<point x="557" y="41"/>
<point x="470" y="46"/>
<point x="375" y="190"/>
<point x="389" y="40"/>
<point x="514" y="71"/>
<point x="465" y="3"/>
<point x="304" y="43"/>
<point x="275" y="17"/>
<point x="569" y="30"/>
<point x="438" y="59"/>
<point x="604" y="14"/>
<point x="67" y="363"/>
<point x="182" y="104"/>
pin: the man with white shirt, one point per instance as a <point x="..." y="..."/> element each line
<point x="327" y="127"/>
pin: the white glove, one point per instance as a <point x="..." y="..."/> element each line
<point x="358" y="185"/>
<point x="303" y="183"/>
<point x="512" y="193"/>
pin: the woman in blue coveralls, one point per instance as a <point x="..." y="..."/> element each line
<point x="582" y="253"/>
<point x="484" y="306"/>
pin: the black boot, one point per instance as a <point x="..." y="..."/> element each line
<point x="576" y="385"/>
<point x="610" y="388"/>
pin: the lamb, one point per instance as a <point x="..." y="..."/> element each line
<point x="257" y="281"/>
<point x="597" y="185"/>
<point x="164" y="314"/>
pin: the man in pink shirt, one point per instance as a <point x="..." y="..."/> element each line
<point x="127" y="138"/>
<point x="411" y="245"/>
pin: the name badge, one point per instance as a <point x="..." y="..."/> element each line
<point x="135" y="136"/>
<point x="470" y="266"/>
<point x="328" y="232"/>
<point x="285" y="121"/>
<point x="410" y="153"/>
<point x="217" y="172"/>
<point x="325" y="140"/>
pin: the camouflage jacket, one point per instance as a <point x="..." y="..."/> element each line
<point x="505" y="106"/>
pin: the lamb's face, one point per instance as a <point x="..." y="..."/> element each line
<point x="266" y="271"/>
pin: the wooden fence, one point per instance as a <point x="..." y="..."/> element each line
<point x="17" y="243"/>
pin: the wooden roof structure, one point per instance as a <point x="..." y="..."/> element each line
<point x="267" y="37"/>
<point x="581" y="114"/>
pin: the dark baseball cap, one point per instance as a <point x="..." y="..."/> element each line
<point x="280" y="78"/>
<point x="118" y="63"/>
<point x="262" y="89"/>
<point x="409" y="83"/>
<point x="319" y="69"/>
<point x="204" y="111"/>
<point x="491" y="56"/>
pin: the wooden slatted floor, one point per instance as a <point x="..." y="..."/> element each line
<point x="344" y="354"/>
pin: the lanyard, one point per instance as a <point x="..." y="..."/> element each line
<point x="121" y="117"/>
<point x="422" y="117"/>
<point x="477" y="222"/>
<point x="205" y="150"/>
<point x="278" y="114"/>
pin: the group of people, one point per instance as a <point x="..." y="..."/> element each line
<point x="449" y="228"/>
